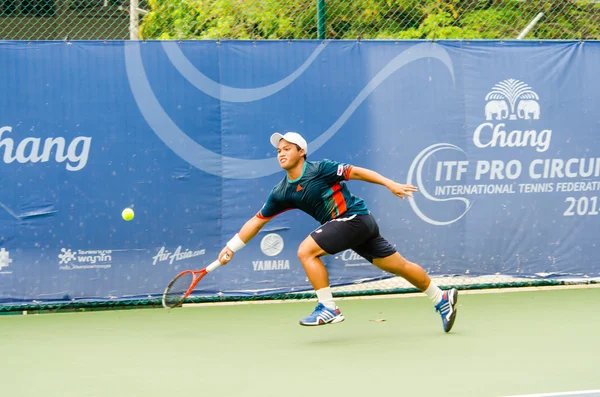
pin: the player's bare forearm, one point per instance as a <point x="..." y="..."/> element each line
<point x="246" y="233"/>
<point x="398" y="189"/>
<point x="251" y="228"/>
<point x="363" y="174"/>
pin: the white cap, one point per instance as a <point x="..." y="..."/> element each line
<point x="292" y="137"/>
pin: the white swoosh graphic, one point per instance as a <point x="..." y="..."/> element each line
<point x="229" y="167"/>
<point x="224" y="92"/>
<point x="418" y="163"/>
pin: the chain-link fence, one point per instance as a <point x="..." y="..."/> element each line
<point x="298" y="19"/>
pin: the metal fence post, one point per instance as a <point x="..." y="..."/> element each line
<point x="321" y="19"/>
<point x="133" y="20"/>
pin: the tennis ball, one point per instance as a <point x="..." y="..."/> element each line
<point x="127" y="214"/>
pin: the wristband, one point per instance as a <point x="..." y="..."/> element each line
<point x="236" y="243"/>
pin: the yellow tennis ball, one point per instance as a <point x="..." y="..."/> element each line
<point x="127" y="214"/>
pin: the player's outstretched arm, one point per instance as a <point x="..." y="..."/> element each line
<point x="246" y="233"/>
<point x="398" y="189"/>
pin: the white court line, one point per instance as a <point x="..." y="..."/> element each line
<point x="394" y="296"/>
<point x="565" y="394"/>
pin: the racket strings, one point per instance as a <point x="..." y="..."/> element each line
<point x="176" y="292"/>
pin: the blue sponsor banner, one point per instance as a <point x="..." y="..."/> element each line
<point x="501" y="138"/>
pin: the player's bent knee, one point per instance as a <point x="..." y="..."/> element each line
<point x="309" y="249"/>
<point x="304" y="252"/>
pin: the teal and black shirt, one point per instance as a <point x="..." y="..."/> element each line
<point x="320" y="192"/>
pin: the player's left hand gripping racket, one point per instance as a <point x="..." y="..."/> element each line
<point x="184" y="283"/>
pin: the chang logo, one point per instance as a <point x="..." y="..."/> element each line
<point x="35" y="150"/>
<point x="512" y="99"/>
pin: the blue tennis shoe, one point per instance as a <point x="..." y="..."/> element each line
<point x="447" y="308"/>
<point x="322" y="315"/>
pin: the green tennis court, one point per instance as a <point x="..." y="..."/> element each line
<point x="503" y="344"/>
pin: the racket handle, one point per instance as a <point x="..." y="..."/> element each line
<point x="215" y="264"/>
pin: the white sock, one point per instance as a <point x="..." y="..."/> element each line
<point x="434" y="293"/>
<point x="326" y="298"/>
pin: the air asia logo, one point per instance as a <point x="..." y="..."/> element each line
<point x="84" y="259"/>
<point x="271" y="244"/>
<point x="511" y="99"/>
<point x="512" y="120"/>
<point x="33" y="150"/>
<point x="4" y="260"/>
<point x="164" y="255"/>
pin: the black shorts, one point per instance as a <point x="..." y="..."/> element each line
<point x="359" y="233"/>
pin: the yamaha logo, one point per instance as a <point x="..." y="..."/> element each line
<point x="271" y="244"/>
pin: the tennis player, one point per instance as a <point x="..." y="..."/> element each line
<point x="318" y="188"/>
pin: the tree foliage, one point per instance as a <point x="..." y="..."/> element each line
<point x="370" y="19"/>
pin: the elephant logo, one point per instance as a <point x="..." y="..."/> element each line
<point x="496" y="108"/>
<point x="527" y="108"/>
<point x="513" y="99"/>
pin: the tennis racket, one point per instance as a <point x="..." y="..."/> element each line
<point x="184" y="283"/>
